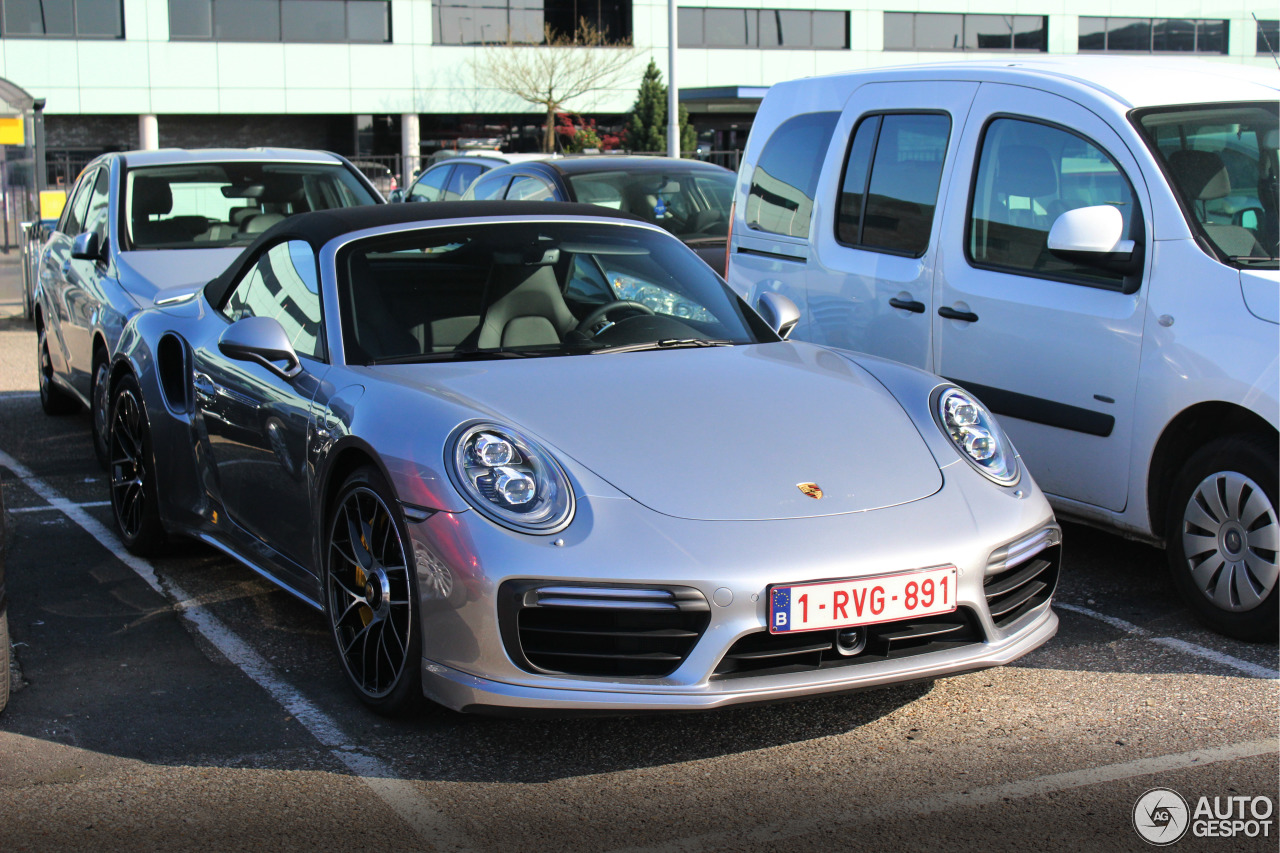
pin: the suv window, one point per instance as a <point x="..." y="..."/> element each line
<point x="780" y="200"/>
<point x="1028" y="175"/>
<point x="283" y="284"/>
<point x="530" y="188"/>
<point x="488" y="187"/>
<point x="461" y="178"/>
<point x="899" y="156"/>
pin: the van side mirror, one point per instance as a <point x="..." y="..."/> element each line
<point x="1093" y="236"/>
<point x="263" y="341"/>
<point x="779" y="312"/>
<point x="89" y="246"/>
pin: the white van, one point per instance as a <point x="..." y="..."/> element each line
<point x="1089" y="245"/>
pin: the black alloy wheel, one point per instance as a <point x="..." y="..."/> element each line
<point x="134" y="503"/>
<point x="1223" y="537"/>
<point x="53" y="399"/>
<point x="371" y="595"/>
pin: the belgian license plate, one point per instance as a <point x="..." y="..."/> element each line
<point x="861" y="601"/>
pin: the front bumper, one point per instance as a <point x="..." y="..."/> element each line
<point x="470" y="693"/>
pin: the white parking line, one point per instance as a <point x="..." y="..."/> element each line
<point x="51" y="508"/>
<point x="972" y="798"/>
<point x="1247" y="667"/>
<point x="399" y="794"/>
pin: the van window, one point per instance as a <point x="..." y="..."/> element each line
<point x="899" y="155"/>
<point x="781" y="197"/>
<point x="1028" y="175"/>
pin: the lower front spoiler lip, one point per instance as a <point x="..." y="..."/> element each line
<point x="464" y="692"/>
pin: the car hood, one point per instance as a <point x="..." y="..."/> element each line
<point x="144" y="273"/>
<point x="725" y="433"/>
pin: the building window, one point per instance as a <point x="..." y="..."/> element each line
<point x="63" y="18"/>
<point x="768" y="29"/>
<point x="1268" y="38"/>
<point x="936" y="31"/>
<point x="526" y="21"/>
<point x="1153" y="35"/>
<point x="281" y="20"/>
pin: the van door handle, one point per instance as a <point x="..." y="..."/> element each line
<point x="952" y="314"/>
<point x="908" y="305"/>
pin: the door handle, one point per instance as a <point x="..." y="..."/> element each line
<point x="908" y="305"/>
<point x="204" y="387"/>
<point x="952" y="314"/>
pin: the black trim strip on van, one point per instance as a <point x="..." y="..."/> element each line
<point x="1040" y="411"/>
<point x="795" y="259"/>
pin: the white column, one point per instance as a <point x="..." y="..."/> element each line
<point x="148" y="133"/>
<point x="673" y="91"/>
<point x="409" y="147"/>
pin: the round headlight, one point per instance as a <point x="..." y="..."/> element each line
<point x="976" y="435"/>
<point x="510" y="479"/>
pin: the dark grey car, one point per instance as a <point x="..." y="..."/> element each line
<point x="689" y="198"/>
<point x="140" y="222"/>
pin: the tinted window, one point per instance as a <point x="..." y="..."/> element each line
<point x="1148" y="35"/>
<point x="1028" y="175"/>
<point x="313" y="20"/>
<point x="66" y="18"/>
<point x="430" y="187"/>
<point x="787" y="29"/>
<point x="74" y="213"/>
<point x="529" y="188"/>
<point x="947" y="31"/>
<point x="368" y="21"/>
<point x="191" y="19"/>
<point x="95" y="218"/>
<point x="488" y="187"/>
<point x="895" y="212"/>
<point x="282" y="284"/>
<point x="1268" y="37"/>
<point x="780" y="200"/>
<point x="463" y="175"/>
<point x="246" y="20"/>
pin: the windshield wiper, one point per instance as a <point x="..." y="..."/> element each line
<point x="469" y="354"/>
<point x="666" y="343"/>
<point x="1251" y="259"/>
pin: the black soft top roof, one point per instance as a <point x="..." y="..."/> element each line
<point x="321" y="226"/>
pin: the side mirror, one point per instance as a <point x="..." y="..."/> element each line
<point x="261" y="340"/>
<point x="89" y="246"/>
<point x="1093" y="236"/>
<point x="779" y="312"/>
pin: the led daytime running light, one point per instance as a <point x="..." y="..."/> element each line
<point x="976" y="436"/>
<point x="509" y="478"/>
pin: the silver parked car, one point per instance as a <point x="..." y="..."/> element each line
<point x="139" y="221"/>
<point x="538" y="455"/>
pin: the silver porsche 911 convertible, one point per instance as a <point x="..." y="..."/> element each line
<point x="535" y="456"/>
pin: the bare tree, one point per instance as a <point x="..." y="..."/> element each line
<point x="555" y="72"/>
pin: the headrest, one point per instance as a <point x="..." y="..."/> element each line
<point x="1201" y="174"/>
<point x="239" y="214"/>
<point x="261" y="223"/>
<point x="151" y="196"/>
<point x="1026" y="171"/>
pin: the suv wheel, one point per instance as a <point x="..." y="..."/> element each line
<point x="1223" y="536"/>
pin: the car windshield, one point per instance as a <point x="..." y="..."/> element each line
<point x="498" y="290"/>
<point x="691" y="205"/>
<point x="1222" y="160"/>
<point x="210" y="205"/>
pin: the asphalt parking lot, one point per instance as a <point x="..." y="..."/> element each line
<point x="184" y="703"/>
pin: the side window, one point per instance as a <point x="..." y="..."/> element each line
<point x="780" y="200"/>
<point x="529" y="188"/>
<point x="431" y="187"/>
<point x="890" y="185"/>
<point x="283" y="284"/>
<point x="1028" y="175"/>
<point x="96" y="217"/>
<point x="489" y="187"/>
<point x="73" y="215"/>
<point x="463" y="175"/>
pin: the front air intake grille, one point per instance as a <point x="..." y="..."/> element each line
<point x="1019" y="589"/>
<point x="642" y="632"/>
<point x="763" y="653"/>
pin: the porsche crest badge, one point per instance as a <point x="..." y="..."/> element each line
<point x="813" y="490"/>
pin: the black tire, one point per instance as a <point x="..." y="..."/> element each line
<point x="53" y="399"/>
<point x="98" y="407"/>
<point x="135" y="503"/>
<point x="1222" y="536"/>
<point x="371" y="595"/>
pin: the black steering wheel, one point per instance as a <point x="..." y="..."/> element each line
<point x="603" y="311"/>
